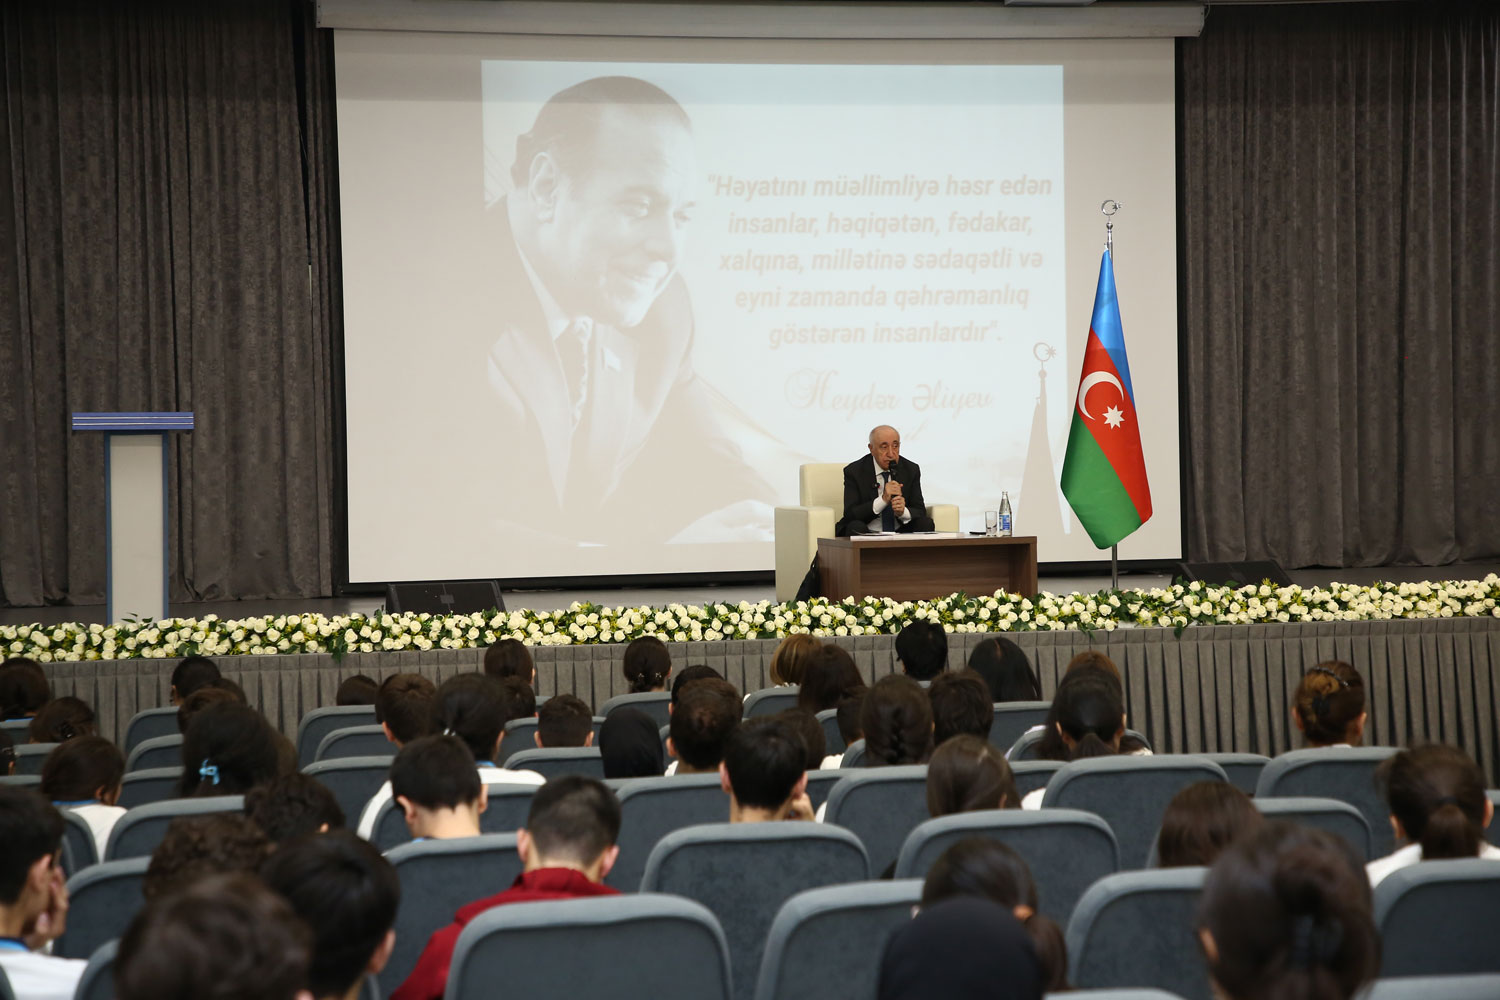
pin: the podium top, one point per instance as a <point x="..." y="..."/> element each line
<point x="176" y="421"/>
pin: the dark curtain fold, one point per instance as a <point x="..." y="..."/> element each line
<point x="1339" y="197"/>
<point x="165" y="190"/>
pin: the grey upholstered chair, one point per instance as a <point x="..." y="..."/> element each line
<point x="137" y="833"/>
<point x="354" y="741"/>
<point x="833" y="737"/>
<point x="97" y="981"/>
<point x="82" y="849"/>
<point x="1126" y="993"/>
<point x="155" y="784"/>
<point x="653" y="703"/>
<point x="829" y="941"/>
<point x="651" y="808"/>
<point x="639" y="945"/>
<point x="148" y="724"/>
<point x="102" y="900"/>
<point x="21" y="780"/>
<point x="437" y="877"/>
<point x="1013" y="718"/>
<point x="1136" y="929"/>
<point x="1343" y="773"/>
<point x="352" y="780"/>
<point x="1024" y="748"/>
<point x="854" y="755"/>
<point x="559" y="761"/>
<point x="1130" y="793"/>
<point x="820" y="783"/>
<point x="1492" y="832"/>
<point x="1033" y="774"/>
<point x="1066" y="850"/>
<point x="1243" y="769"/>
<point x="769" y="701"/>
<point x="506" y="813"/>
<point x="30" y="756"/>
<point x="1484" y="986"/>
<point x="1326" y="814"/>
<point x="881" y="805"/>
<point x="744" y="872"/>
<point x="321" y="721"/>
<point x="159" y="751"/>
<point x="1436" y="918"/>
<point x="520" y="734"/>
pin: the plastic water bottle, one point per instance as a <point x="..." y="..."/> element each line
<point x="1004" y="515"/>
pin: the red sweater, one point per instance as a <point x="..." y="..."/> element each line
<point x="429" y="978"/>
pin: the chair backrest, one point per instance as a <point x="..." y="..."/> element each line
<point x="653" y="703"/>
<point x="1435" y="918"/>
<point x="820" y="783"/>
<point x="137" y="833"/>
<point x="1014" y="718"/>
<point x="1326" y="814"/>
<point x="651" y="808"/>
<point x="1066" y="850"/>
<point x="321" y="721"/>
<point x="148" y="724"/>
<point x="352" y="780"/>
<point x="1138" y="929"/>
<point x="155" y="784"/>
<point x="769" y="701"/>
<point x="821" y="484"/>
<point x="662" y="947"/>
<point x="1243" y="769"/>
<point x="558" y="762"/>
<point x="1485" y="986"/>
<point x="437" y="878"/>
<point x="1121" y="994"/>
<point x="744" y="872"/>
<point x="102" y="900"/>
<point x="97" y="981"/>
<point x="854" y="755"/>
<point x="18" y="729"/>
<point x="1130" y="793"/>
<point x="21" y="780"/>
<point x="1033" y="774"/>
<point x="833" y="738"/>
<point x="829" y="941"/>
<point x="505" y="813"/>
<point x="1343" y="773"/>
<point x="1024" y="748"/>
<point x="354" y="741"/>
<point x="30" y="756"/>
<point x="520" y="734"/>
<point x="881" y="805"/>
<point x="159" y="751"/>
<point x="83" y="849"/>
<point x="1492" y="832"/>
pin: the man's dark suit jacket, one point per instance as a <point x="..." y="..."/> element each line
<point x="860" y="491"/>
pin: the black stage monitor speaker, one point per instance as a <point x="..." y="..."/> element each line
<point x="448" y="597"/>
<point x="1238" y="573"/>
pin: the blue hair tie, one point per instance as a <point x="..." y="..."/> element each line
<point x="207" y="770"/>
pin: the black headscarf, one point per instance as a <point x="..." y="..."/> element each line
<point x="960" y="949"/>
<point x="630" y="743"/>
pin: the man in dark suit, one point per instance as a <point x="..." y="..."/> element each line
<point x="884" y="491"/>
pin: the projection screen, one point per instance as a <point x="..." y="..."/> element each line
<point x="603" y="297"/>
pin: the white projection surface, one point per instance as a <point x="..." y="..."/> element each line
<point x="602" y="297"/>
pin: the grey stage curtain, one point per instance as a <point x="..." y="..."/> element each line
<point x="1339" y="191"/>
<point x="164" y="190"/>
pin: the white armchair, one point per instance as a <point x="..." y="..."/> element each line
<point x="821" y="495"/>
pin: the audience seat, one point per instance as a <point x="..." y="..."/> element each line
<point x="520" y="734"/>
<point x="769" y="701"/>
<point x="354" y="741"/>
<point x="881" y="805"/>
<point x="352" y="780"/>
<point x="1024" y="748"/>
<point x="659" y="947"/>
<point x="833" y="738"/>
<point x="437" y="878"/>
<point x="1433" y="917"/>
<point x="663" y="732"/>
<point x="102" y="900"/>
<point x="829" y="941"/>
<point x="321" y="721"/>
<point x="1479" y="987"/>
<point x="137" y="833"/>
<point x="21" y="780"/>
<point x="148" y="724"/>
<point x="1343" y="773"/>
<point x="1121" y="994"/>
<point x="1066" y="850"/>
<point x="97" y="981"/>
<point x="558" y="762"/>
<point x="506" y="811"/>
<point x="854" y="755"/>
<point x="820" y="783"/>
<point x="1243" y="769"/>
<point x="1326" y="814"/>
<point x="744" y="872"/>
<point x="29" y="757"/>
<point x="1014" y="718"/>
<point x="159" y="751"/>
<point x="1033" y="774"/>
<point x="78" y="840"/>
<point x="18" y="729"/>
<point x="1136" y="929"/>
<point x="1492" y="832"/>
<point x="651" y="808"/>
<point x="653" y="703"/>
<point x="155" y="784"/>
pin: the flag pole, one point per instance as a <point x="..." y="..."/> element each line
<point x="1109" y="208"/>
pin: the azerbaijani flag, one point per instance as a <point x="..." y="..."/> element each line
<point x="1104" y="472"/>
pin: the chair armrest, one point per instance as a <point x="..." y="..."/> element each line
<point x="797" y="532"/>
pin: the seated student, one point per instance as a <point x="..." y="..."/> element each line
<point x="897" y="721"/>
<point x="195" y="847"/>
<point x="357" y="690"/>
<point x="707" y="713"/>
<point x="791" y="657"/>
<point x="564" y="720"/>
<point x="688" y="675"/>
<point x="630" y="745"/>
<point x="437" y="788"/>
<point x="1005" y="670"/>
<point x="1201" y="820"/>
<point x="960" y="704"/>
<point x="922" y="650"/>
<point x="1286" y="912"/>
<point x="1090" y="666"/>
<point x="62" y="719"/>
<point x="227" y="937"/>
<point x="966" y="774"/>
<point x="33" y="897"/>
<point x="83" y="775"/>
<point x="23" y="688"/>
<point x="403" y="707"/>
<point x="1329" y="706"/>
<point x="7" y="753"/>
<point x="347" y="893"/>
<point x="510" y="658"/>
<point x="1090" y="722"/>
<point x="567" y="846"/>
<point x="764" y="772"/>
<point x="292" y="806"/>
<point x="960" y="949"/>
<point x="518" y="699"/>
<point x="848" y="712"/>
<point x="811" y="730"/>
<point x="647" y="664"/>
<point x="228" y="749"/>
<point x="828" y="677"/>
<point x="210" y="694"/>
<point x="475" y="708"/>
<point x="987" y="869"/>
<point x="1439" y="808"/>
<point x="191" y="674"/>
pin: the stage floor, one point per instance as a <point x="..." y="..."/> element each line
<point x="551" y="600"/>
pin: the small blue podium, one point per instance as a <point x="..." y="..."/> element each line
<point x="135" y="508"/>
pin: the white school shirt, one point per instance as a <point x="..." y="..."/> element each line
<point x="34" y="975"/>
<point x="488" y="775"/>
<point x="1410" y="855"/>
<point x="101" y="819"/>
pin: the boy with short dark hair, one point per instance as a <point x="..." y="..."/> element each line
<point x="293" y="805"/>
<point x="192" y="673"/>
<point x="708" y="711"/>
<point x="195" y="847"/>
<point x="922" y="649"/>
<point x="403" y="707"/>
<point x="960" y="704"/>
<point x="765" y="772"/>
<point x="564" y="720"/>
<point x="437" y="788"/>
<point x="510" y="658"/>
<point x="33" y="897"/>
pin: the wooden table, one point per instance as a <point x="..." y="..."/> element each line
<point x="917" y="567"/>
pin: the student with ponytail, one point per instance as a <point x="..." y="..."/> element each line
<point x="1329" y="706"/>
<point x="647" y="665"/>
<point x="1438" y="807"/>
<point x="1089" y="721"/>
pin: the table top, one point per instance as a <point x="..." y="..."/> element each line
<point x="930" y="538"/>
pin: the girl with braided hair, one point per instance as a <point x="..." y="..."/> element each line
<point x="897" y="721"/>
